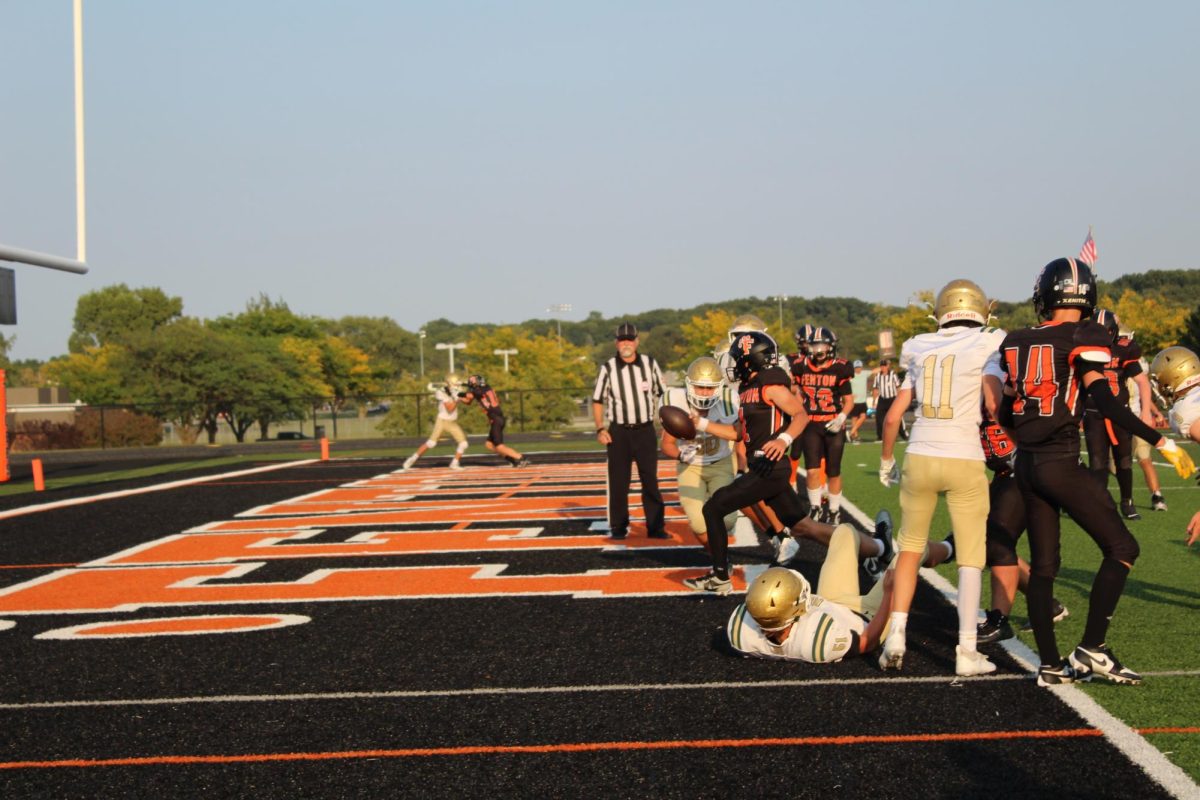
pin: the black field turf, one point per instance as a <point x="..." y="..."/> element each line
<point x="443" y="645"/>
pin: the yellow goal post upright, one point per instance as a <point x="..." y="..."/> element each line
<point x="77" y="265"/>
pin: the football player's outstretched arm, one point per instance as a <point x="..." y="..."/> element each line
<point x="782" y="398"/>
<point x="874" y="631"/>
<point x="1097" y="388"/>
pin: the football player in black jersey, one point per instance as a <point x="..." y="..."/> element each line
<point x="823" y="383"/>
<point x="1103" y="437"/>
<point x="478" y="391"/>
<point x="769" y="420"/>
<point x="1046" y="370"/>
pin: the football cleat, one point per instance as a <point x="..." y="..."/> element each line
<point x="1056" y="674"/>
<point x="892" y="656"/>
<point x="711" y="582"/>
<point x="1058" y="612"/>
<point x="1157" y="502"/>
<point x="961" y="300"/>
<point x="1065" y="283"/>
<point x="971" y="662"/>
<point x="876" y="565"/>
<point x="455" y="464"/>
<point x="408" y="462"/>
<point x="522" y="462"/>
<point x="703" y="373"/>
<point x="786" y="549"/>
<point x="1128" y="511"/>
<point x="996" y="628"/>
<point x="777" y="598"/>
<point x="1099" y="662"/>
<point x="1174" y="371"/>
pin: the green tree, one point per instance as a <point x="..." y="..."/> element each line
<point x="701" y="334"/>
<point x="391" y="349"/>
<point x="1191" y="332"/>
<point x="114" y="313"/>
<point x="1156" y="323"/>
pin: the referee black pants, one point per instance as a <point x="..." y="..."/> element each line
<point x="633" y="445"/>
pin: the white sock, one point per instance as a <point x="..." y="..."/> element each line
<point x="878" y="547"/>
<point x="970" y="587"/>
<point x="835" y="501"/>
<point x="898" y="621"/>
<point x="814" y="498"/>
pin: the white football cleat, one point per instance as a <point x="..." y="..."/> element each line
<point x="971" y="662"/>
<point x="455" y="465"/>
<point x="786" y="549"/>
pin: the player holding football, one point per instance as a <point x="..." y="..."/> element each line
<point x="770" y="419"/>
<point x="447" y="421"/>
<point x="478" y="391"/>
<point x="945" y="372"/>
<point x="823" y="383"/>
<point x="706" y="463"/>
<point x="1046" y="370"/>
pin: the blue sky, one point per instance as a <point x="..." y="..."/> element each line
<point x="483" y="160"/>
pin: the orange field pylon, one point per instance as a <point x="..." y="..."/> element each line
<point x="39" y="482"/>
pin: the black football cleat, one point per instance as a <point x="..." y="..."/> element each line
<point x="1099" y="662"/>
<point x="995" y="629"/>
<point x="1129" y="511"/>
<point x="1056" y="674"/>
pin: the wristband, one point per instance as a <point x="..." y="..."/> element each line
<point x="702" y="424"/>
<point x="600" y="431"/>
<point x="786" y="438"/>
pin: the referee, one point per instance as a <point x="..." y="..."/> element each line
<point x="628" y="390"/>
<point x="887" y="383"/>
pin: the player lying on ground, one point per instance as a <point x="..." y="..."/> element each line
<point x="782" y="618"/>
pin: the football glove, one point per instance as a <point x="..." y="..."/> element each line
<point x="836" y="424"/>
<point x="687" y="451"/>
<point x="1178" y="457"/>
<point x="889" y="473"/>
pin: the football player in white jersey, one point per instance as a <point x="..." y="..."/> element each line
<point x="446" y="397"/>
<point x="706" y="463"/>
<point x="1176" y="374"/>
<point x="945" y="372"/>
<point x="783" y="619"/>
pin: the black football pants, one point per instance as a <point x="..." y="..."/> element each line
<point x="633" y="445"/>
<point x="745" y="491"/>
<point x="1050" y="482"/>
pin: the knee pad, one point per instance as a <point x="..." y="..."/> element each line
<point x="462" y="448"/>
<point x="430" y="444"/>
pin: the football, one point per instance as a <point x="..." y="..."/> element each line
<point x="676" y="422"/>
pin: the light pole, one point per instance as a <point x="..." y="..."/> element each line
<point x="451" y="348"/>
<point x="421" y="345"/>
<point x="781" y="298"/>
<point x="559" y="308"/>
<point x="506" y="354"/>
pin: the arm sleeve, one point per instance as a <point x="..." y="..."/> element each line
<point x="1119" y="414"/>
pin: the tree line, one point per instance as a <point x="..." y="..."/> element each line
<point x="266" y="364"/>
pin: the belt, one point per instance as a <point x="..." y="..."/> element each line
<point x="632" y="427"/>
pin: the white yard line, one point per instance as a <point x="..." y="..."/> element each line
<point x="1145" y="755"/>
<point x="158" y="487"/>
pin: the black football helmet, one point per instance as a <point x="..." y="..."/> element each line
<point x="1108" y="320"/>
<point x="802" y="336"/>
<point x="750" y="352"/>
<point x="822" y="345"/>
<point x="1065" y="283"/>
<point x="476" y="380"/>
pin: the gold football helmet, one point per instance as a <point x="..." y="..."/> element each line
<point x="453" y="382"/>
<point x="744" y="324"/>
<point x="704" y="372"/>
<point x="961" y="300"/>
<point x="1174" y="371"/>
<point x="777" y="598"/>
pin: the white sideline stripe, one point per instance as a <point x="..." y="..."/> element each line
<point x="934" y="680"/>
<point x="1145" y="755"/>
<point x="158" y="487"/>
<point x="516" y="690"/>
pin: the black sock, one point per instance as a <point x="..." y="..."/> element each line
<point x="1125" y="484"/>
<point x="1106" y="592"/>
<point x="1039" y="597"/>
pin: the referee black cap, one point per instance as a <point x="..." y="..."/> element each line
<point x="627" y="330"/>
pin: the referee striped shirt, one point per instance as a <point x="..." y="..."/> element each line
<point x="630" y="392"/>
<point x="888" y="383"/>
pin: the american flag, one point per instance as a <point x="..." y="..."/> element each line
<point x="1088" y="251"/>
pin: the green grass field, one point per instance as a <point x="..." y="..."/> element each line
<point x="1154" y="627"/>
